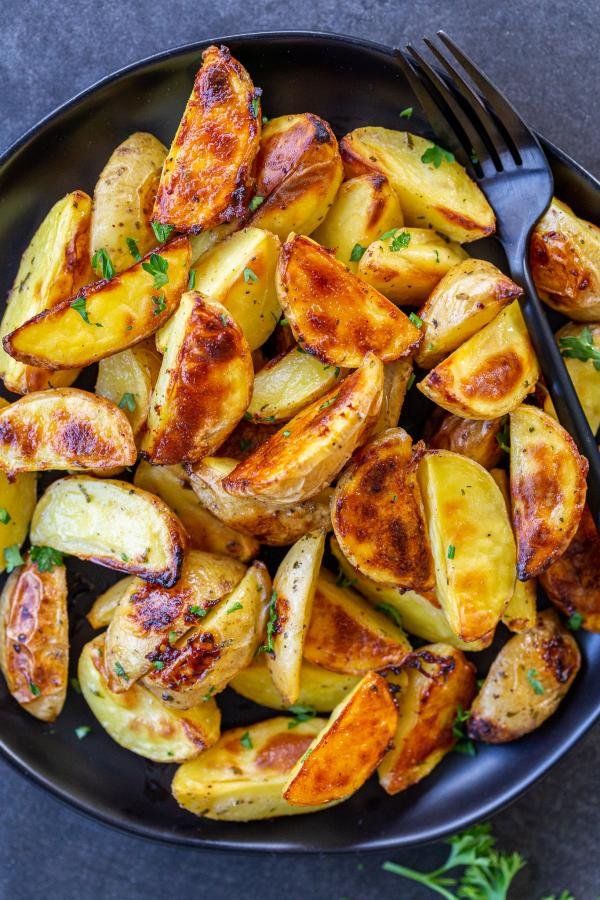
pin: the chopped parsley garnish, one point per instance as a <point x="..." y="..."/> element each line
<point x="12" y="557"/>
<point x="411" y="381"/>
<point x="234" y="608"/>
<point x="391" y="612"/>
<point x="255" y="202"/>
<point x="121" y="671"/>
<point x="198" y="611"/>
<point x="286" y="433"/>
<point x="581" y="347"/>
<point x="79" y="305"/>
<point x="124" y="557"/>
<point x="158" y="664"/>
<point x="46" y="558"/>
<point x="532" y="678"/>
<point x="127" y="402"/>
<point x="250" y="275"/>
<point x="357" y="253"/>
<point x="245" y="444"/>
<point x="436" y="156"/>
<point x="82" y="731"/>
<point x="451" y="551"/>
<point x="283" y="322"/>
<point x="463" y="744"/>
<point x="246" y="741"/>
<point x="172" y="637"/>
<point x="75" y="685"/>
<point x="327" y="403"/>
<point x="406" y="113"/>
<point x="400" y="241"/>
<point x="157" y="266"/>
<point x="101" y="263"/>
<point x="34" y="689"/>
<point x="265" y="120"/>
<point x="133" y="249"/>
<point x="575" y="621"/>
<point x="388" y="234"/>
<point x="503" y="436"/>
<point x="192" y="280"/>
<point x="416" y="320"/>
<point x="254" y="105"/>
<point x="158" y="304"/>
<point x="300" y="714"/>
<point x="4" y="515"/>
<point x="162" y="232"/>
<point x="271" y="625"/>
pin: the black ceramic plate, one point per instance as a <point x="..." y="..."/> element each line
<point x="350" y="83"/>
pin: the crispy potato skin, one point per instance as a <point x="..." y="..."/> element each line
<point x="439" y="680"/>
<point x="34" y="641"/>
<point x="573" y="581"/>
<point x="475" y="438"/>
<point x="378" y="517"/>
<point x="508" y="706"/>
<point x="319" y="688"/>
<point x="207" y="177"/>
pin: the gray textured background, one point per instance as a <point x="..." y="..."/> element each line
<point x="545" y="55"/>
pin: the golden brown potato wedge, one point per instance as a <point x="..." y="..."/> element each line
<point x="103" y="608"/>
<point x="476" y="438"/>
<point x="573" y="581"/>
<point x="113" y="524"/>
<point x="34" y="639"/>
<point x="241" y="778"/>
<point x="490" y="374"/>
<point x="129" y="308"/>
<point x="440" y="682"/>
<point x="54" y="266"/>
<point x="320" y="689"/>
<point x="335" y="315"/>
<point x="299" y="170"/>
<point x="127" y="378"/>
<point x="204" y="385"/>
<point x="434" y="190"/>
<point x="288" y="383"/>
<point x="377" y="514"/>
<point x="348" y="749"/>
<point x="526" y="682"/>
<point x="564" y="255"/>
<point x="396" y="378"/>
<point x="17" y="502"/>
<point x="468" y="296"/>
<point x="207" y="177"/>
<point x="584" y="374"/>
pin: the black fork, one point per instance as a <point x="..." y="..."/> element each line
<point x="480" y="126"/>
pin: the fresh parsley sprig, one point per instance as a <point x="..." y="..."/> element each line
<point x="158" y="267"/>
<point x="46" y="558"/>
<point x="581" y="347"/>
<point x="101" y="263"/>
<point x="437" y="155"/>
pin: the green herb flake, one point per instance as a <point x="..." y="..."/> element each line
<point x="283" y="322"/>
<point x="301" y="714"/>
<point x="254" y="103"/>
<point x="162" y="232"/>
<point x="101" y="264"/>
<point x="12" y="557"/>
<point x="158" y="304"/>
<point x="198" y="611"/>
<point x="133" y="249"/>
<point x="265" y="120"/>
<point x="387" y="234"/>
<point x="391" y="612"/>
<point x="246" y="741"/>
<point x="34" y="689"/>
<point x="127" y="402"/>
<point x="271" y="625"/>
<point x="121" y="671"/>
<point x="411" y="381"/>
<point x="79" y="305"/>
<point x="158" y="664"/>
<point x="82" y="731"/>
<point x="158" y="267"/>
<point x="532" y="678"/>
<point x="358" y="251"/>
<point x="192" y="280"/>
<point x="46" y="558"/>
<point x="437" y="155"/>
<point x="328" y="402"/>
<point x="463" y="744"/>
<point x="172" y="637"/>
<point x="245" y="444"/>
<point x="503" y="436"/>
<point x="581" y="347"/>
<point x="575" y="621"/>
<point x="255" y="202"/>
<point x="406" y="113"/>
<point x="416" y="320"/>
<point x="451" y="551"/>
<point x="400" y="241"/>
<point x="234" y="608"/>
<point x="75" y="685"/>
<point x="250" y="275"/>
<point x="286" y="433"/>
<point x="4" y="515"/>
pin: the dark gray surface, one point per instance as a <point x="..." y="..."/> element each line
<point x="545" y="55"/>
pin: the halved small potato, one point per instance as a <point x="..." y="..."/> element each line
<point x="348" y="749"/>
<point x="106" y="316"/>
<point x="288" y="383"/>
<point x="299" y="170"/>
<point x="334" y="315"/>
<point x="440" y="681"/>
<point x="34" y="638"/>
<point x="113" y="524"/>
<point x="241" y="778"/>
<point x="476" y="438"/>
<point x="469" y="296"/>
<point x="584" y="374"/>
<point x="103" y="608"/>
<point x="347" y="635"/>
<point x="526" y="682"/>
<point x="377" y="514"/>
<point x="207" y="177"/>
<point x="547" y="488"/>
<point x="472" y="542"/>
<point x="204" y="385"/>
<point x="396" y="378"/>
<point x="294" y="589"/>
<point x="18" y="495"/>
<point x="573" y="581"/>
<point x="490" y="374"/>
<point x="64" y="428"/>
<point x="320" y="689"/>
<point x="127" y="378"/>
<point x="306" y="455"/>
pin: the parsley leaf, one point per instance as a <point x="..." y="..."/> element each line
<point x="101" y="262"/>
<point x="162" y="232"/>
<point x="157" y="266"/>
<point x="358" y="251"/>
<point x="133" y="249"/>
<point x="255" y="202"/>
<point x="301" y="714"/>
<point x="581" y="347"/>
<point x="127" y="402"/>
<point x="82" y="731"/>
<point x="451" y="551"/>
<point x="158" y="304"/>
<point x="234" y="608"/>
<point x="387" y="234"/>
<point x="575" y="621"/>
<point x="463" y="744"/>
<point x="436" y="156"/>
<point x="416" y="320"/>
<point x="79" y="305"/>
<point x="411" y="381"/>
<point x="536" y="684"/>
<point x="271" y="625"/>
<point x="192" y="280"/>
<point x="158" y="664"/>
<point x="400" y="241"/>
<point x="246" y="741"/>
<point x="34" y="689"/>
<point x="503" y="436"/>
<point x="12" y="557"/>
<point x="406" y="113"/>
<point x="254" y="104"/>
<point x="198" y="611"/>
<point x="250" y="275"/>
<point x="121" y="671"/>
<point x="391" y="612"/>
<point x="46" y="558"/>
<point x="5" y="517"/>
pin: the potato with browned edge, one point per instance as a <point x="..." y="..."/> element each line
<point x="576" y="342"/>
<point x="479" y="439"/>
<point x="320" y="689"/>
<point x="288" y="383"/>
<point x="128" y="378"/>
<point x="573" y="582"/>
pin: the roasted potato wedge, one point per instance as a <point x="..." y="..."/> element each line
<point x="103" y="608"/>
<point x="347" y="635"/>
<point x="64" y="428"/>
<point x="472" y="542"/>
<point x="573" y="582"/>
<point x="54" y="266"/>
<point x="320" y="689"/>
<point x="396" y="378"/>
<point x="334" y="315"/>
<point x="305" y="456"/>
<point x="490" y="374"/>
<point x="377" y="514"/>
<point x="113" y="524"/>
<point x="584" y="374"/>
<point x="348" y="749"/>
<point x="207" y="176"/>
<point x="547" y="488"/>
<point x="123" y="200"/>
<point x="34" y="639"/>
<point x="564" y="254"/>
<point x="526" y="682"/>
<point x="204" y="385"/>
<point x="468" y="296"/>
<point x="288" y="383"/>
<point x="440" y="681"/>
<point x="17" y="502"/>
<point x="127" y="378"/>
<point x="241" y="778"/>
<point x="129" y="308"/>
<point x="476" y="438"/>
<point x="203" y="242"/>
<point x="299" y="170"/>
<point x="434" y="190"/>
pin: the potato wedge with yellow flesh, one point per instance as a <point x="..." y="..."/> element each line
<point x="363" y="209"/>
<point x="203" y="662"/>
<point x="113" y="524"/>
<point x="307" y="454"/>
<point x="103" y="608"/>
<point x="434" y="191"/>
<point x="564" y="254"/>
<point x="573" y="582"/>
<point x="526" y="682"/>
<point x="347" y="635"/>
<point x="203" y="242"/>
<point x="171" y="484"/>
<point x="320" y="689"/>
<point x="407" y="264"/>
<point x="204" y="385"/>
<point x="54" y="266"/>
<point x="334" y="315"/>
<point x="476" y="438"/>
<point x="269" y="522"/>
<point x="468" y="296"/>
<point x="34" y="639"/>
<point x="490" y="374"/>
<point x="18" y="496"/>
<point x="440" y="682"/>
<point x="288" y="383"/>
<point x="127" y="378"/>
<point x="348" y="749"/>
<point x="377" y="514"/>
<point x="207" y="177"/>
<point x="124" y="197"/>
<point x="64" y="428"/>
<point x="294" y="589"/>
<point x="396" y="379"/>
<point x="472" y="542"/>
<point x="547" y="488"/>
<point x="241" y="778"/>
<point x="584" y="375"/>
<point x="299" y="170"/>
<point x="129" y="307"/>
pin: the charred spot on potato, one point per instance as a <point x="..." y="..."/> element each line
<point x="282" y="751"/>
